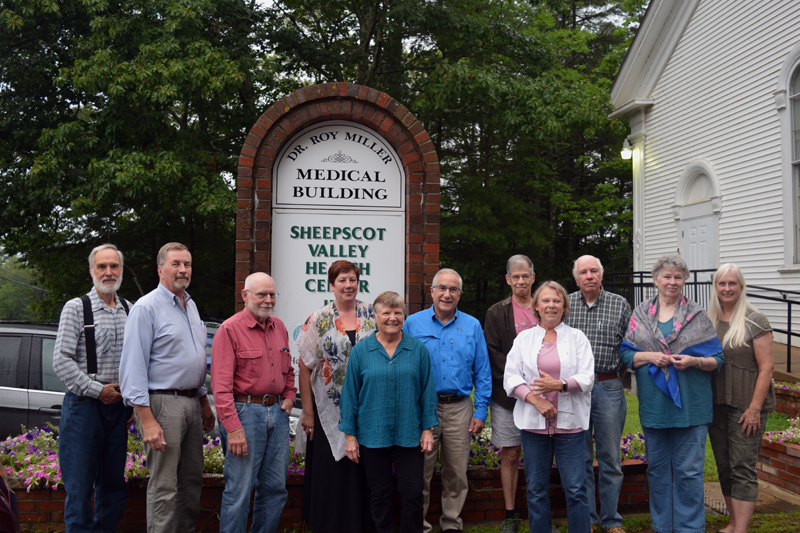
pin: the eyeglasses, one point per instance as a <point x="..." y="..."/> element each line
<point x="444" y="288"/>
<point x="551" y="426"/>
<point x="263" y="295"/>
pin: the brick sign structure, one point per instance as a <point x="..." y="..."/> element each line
<point x="332" y="171"/>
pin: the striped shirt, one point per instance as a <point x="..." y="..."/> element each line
<point x="69" y="355"/>
<point x="604" y="324"/>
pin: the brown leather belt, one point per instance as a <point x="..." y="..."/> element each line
<point x="450" y="398"/>
<point x="606" y="377"/>
<point x="267" y="399"/>
<point x="189" y="393"/>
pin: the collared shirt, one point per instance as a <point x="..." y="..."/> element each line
<point x="164" y="348"/>
<point x="604" y="324"/>
<point x="459" y="357"/>
<point x="69" y="354"/>
<point x="380" y="419"/>
<point x="246" y="358"/>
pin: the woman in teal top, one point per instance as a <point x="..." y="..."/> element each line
<point x="672" y="347"/>
<point x="388" y="408"/>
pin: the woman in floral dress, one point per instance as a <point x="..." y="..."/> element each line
<point x="335" y="494"/>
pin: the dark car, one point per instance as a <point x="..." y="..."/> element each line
<point x="30" y="392"/>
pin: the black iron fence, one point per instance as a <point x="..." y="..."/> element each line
<point x="637" y="287"/>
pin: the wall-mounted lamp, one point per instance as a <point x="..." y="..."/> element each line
<point x="626" y="152"/>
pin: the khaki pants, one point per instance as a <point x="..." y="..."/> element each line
<point x="176" y="473"/>
<point x="453" y="435"/>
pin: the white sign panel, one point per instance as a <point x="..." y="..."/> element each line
<point x="305" y="244"/>
<point x="338" y="165"/>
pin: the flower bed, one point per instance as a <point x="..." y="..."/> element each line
<point x="787" y="396"/>
<point x="42" y="509"/>
<point x="30" y="460"/>
<point x="779" y="459"/>
<point x="31" y="463"/>
<point x="779" y="463"/>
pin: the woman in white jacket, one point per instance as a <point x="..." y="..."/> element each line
<point x="550" y="370"/>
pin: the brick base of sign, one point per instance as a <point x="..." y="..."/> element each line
<point x="779" y="464"/>
<point x="42" y="510"/>
<point x="788" y="402"/>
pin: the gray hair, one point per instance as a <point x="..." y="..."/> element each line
<point x="575" y="265"/>
<point x="389" y="299"/>
<point x="671" y="262"/>
<point x="162" y="253"/>
<point x="448" y="271"/>
<point x="519" y="260"/>
<point x="106" y="246"/>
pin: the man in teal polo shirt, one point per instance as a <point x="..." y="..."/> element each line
<point x="459" y="361"/>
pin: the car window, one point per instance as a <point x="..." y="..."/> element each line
<point x="9" y="355"/>
<point x="50" y="381"/>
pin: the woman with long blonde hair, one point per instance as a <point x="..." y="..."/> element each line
<point x="742" y="391"/>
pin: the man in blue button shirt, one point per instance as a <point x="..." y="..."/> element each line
<point x="162" y="374"/>
<point x="459" y="361"/>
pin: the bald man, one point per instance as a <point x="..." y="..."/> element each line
<point x="253" y="384"/>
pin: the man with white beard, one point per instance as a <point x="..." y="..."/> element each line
<point x="253" y="383"/>
<point x="92" y="444"/>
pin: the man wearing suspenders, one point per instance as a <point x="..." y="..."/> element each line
<point x="92" y="444"/>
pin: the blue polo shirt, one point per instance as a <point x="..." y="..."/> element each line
<point x="459" y="357"/>
<point x="388" y="401"/>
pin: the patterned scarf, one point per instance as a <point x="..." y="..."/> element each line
<point x="692" y="334"/>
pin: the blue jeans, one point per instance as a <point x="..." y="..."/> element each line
<point x="609" y="409"/>
<point x="538" y="451"/>
<point x="92" y="448"/>
<point x="266" y="429"/>
<point x="675" y="459"/>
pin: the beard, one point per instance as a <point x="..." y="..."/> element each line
<point x="182" y="283"/>
<point x="261" y="311"/>
<point x="106" y="289"/>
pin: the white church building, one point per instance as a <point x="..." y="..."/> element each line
<point x="711" y="90"/>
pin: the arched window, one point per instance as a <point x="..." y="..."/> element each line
<point x="794" y="103"/>
<point x="794" y="96"/>
<point x="787" y="104"/>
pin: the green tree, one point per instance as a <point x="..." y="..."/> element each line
<point x="18" y="291"/>
<point x="161" y="94"/>
<point x="514" y="95"/>
<point x="518" y="110"/>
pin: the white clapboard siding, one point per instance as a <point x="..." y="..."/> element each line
<point x="714" y="101"/>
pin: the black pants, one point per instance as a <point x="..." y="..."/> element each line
<point x="408" y="465"/>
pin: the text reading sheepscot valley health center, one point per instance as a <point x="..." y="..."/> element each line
<point x="324" y="253"/>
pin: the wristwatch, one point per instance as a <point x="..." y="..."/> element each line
<point x="699" y="362"/>
<point x="563" y="385"/>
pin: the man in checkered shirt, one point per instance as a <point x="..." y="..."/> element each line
<point x="92" y="443"/>
<point x="603" y="317"/>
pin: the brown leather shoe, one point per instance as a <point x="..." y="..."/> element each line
<point x="617" y="529"/>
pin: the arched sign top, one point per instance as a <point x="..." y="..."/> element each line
<point x="338" y="165"/>
<point x="338" y="138"/>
